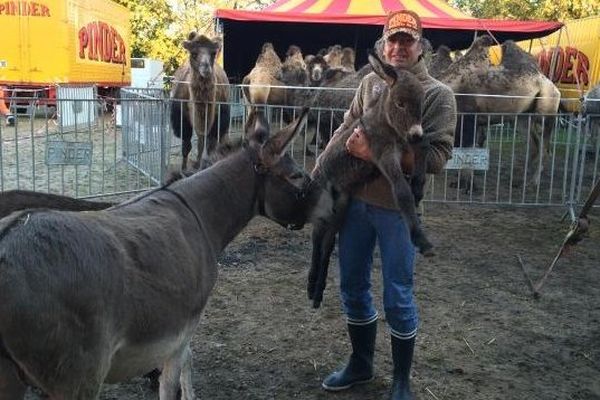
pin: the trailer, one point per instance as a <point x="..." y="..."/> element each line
<point x="570" y="57"/>
<point x="47" y="43"/>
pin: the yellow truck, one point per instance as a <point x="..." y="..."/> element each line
<point x="50" y="42"/>
<point x="570" y="57"/>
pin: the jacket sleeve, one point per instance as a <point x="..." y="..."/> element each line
<point x="439" y="123"/>
<point x="355" y="111"/>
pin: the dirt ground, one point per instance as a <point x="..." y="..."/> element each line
<point x="482" y="335"/>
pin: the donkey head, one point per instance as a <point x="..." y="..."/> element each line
<point x="403" y="101"/>
<point x="283" y="196"/>
<point x="203" y="52"/>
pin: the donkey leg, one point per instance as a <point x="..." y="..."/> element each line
<point x="390" y="167"/>
<point x="171" y="375"/>
<point x="11" y="386"/>
<point x="185" y="379"/>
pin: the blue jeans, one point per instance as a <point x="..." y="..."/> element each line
<point x="365" y="225"/>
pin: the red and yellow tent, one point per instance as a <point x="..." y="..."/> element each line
<point x="314" y="24"/>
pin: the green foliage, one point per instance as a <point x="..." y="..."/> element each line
<point x="529" y="9"/>
<point x="158" y="27"/>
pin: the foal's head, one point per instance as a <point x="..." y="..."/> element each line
<point x="403" y="102"/>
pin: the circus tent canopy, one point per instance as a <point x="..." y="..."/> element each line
<point x="314" y="24"/>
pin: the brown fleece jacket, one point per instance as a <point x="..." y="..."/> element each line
<point x="439" y="121"/>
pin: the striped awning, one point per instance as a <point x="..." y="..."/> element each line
<point x="425" y="8"/>
<point x="437" y="17"/>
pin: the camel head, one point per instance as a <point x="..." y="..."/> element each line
<point x="316" y="66"/>
<point x="203" y="52"/>
<point x="403" y="101"/>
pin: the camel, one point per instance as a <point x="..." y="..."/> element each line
<point x="524" y="89"/>
<point x="334" y="56"/>
<point x="266" y="73"/>
<point x="338" y="100"/>
<point x="348" y="59"/>
<point x="199" y="98"/>
<point x="439" y="61"/>
<point x="316" y="67"/>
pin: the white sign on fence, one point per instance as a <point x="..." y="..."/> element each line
<point x="469" y="158"/>
<point x="68" y="153"/>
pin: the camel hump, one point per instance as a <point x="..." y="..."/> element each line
<point x="515" y="58"/>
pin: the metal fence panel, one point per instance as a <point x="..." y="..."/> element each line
<point x="146" y="137"/>
<point x="76" y="107"/>
<point x="136" y="156"/>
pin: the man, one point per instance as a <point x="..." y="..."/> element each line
<point x="372" y="217"/>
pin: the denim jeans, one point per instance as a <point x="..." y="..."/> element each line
<point x="364" y="226"/>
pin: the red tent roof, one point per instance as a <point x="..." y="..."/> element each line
<point x="435" y="14"/>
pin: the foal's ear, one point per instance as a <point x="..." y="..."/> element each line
<point x="276" y="145"/>
<point x="384" y="70"/>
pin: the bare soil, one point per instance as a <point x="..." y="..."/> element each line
<point x="482" y="334"/>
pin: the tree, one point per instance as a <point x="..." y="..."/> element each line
<point x="158" y="27"/>
<point x="150" y="35"/>
<point x="529" y="9"/>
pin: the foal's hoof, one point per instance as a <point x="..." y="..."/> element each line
<point x="427" y="252"/>
<point x="425" y="247"/>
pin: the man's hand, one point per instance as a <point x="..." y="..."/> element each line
<point x="358" y="145"/>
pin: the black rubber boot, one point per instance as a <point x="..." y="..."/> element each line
<point x="402" y="354"/>
<point x="360" y="366"/>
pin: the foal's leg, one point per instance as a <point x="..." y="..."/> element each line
<point x="11" y="387"/>
<point x="325" y="229"/>
<point x="390" y="166"/>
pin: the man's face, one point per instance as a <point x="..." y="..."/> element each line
<point x="402" y="50"/>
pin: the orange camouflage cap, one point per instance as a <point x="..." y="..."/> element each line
<point x="403" y="21"/>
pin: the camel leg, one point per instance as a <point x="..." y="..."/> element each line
<point x="186" y="147"/>
<point x="536" y="154"/>
<point x="11" y="387"/>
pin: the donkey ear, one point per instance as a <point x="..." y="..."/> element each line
<point x="277" y="144"/>
<point x="384" y="70"/>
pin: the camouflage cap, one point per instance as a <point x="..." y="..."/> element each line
<point x="403" y="21"/>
